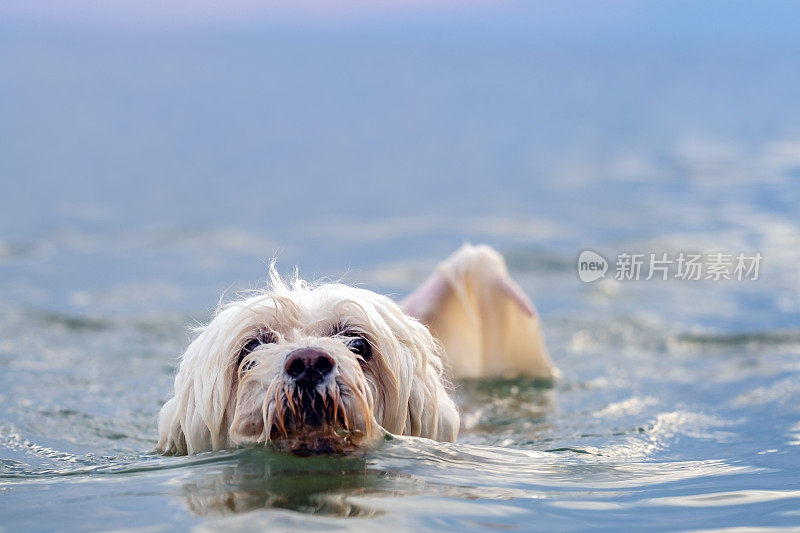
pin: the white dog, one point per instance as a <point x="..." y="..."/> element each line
<point x="329" y="368"/>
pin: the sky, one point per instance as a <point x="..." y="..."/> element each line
<point x="675" y="19"/>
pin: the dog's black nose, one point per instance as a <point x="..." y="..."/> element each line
<point x="308" y="366"/>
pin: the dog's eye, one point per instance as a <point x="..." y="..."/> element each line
<point x="252" y="345"/>
<point x="361" y="347"/>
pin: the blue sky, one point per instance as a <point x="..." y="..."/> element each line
<point x="677" y="20"/>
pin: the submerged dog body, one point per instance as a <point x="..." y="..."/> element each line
<point x="330" y="368"/>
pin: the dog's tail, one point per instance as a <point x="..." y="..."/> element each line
<point x="485" y="321"/>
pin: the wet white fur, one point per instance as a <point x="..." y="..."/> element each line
<point x="481" y="317"/>
<point x="402" y="390"/>
<point x="485" y="322"/>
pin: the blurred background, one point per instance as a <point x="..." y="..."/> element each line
<point x="155" y="156"/>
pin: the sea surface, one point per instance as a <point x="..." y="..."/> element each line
<point x="150" y="172"/>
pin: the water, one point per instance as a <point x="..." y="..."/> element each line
<point x="147" y="173"/>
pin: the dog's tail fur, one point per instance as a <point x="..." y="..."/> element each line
<point x="484" y="320"/>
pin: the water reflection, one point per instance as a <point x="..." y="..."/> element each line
<point x="260" y="478"/>
<point x="409" y="474"/>
<point x="721" y="499"/>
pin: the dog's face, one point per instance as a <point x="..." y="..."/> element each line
<point x="322" y="369"/>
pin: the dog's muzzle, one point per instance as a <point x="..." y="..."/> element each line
<point x="310" y="416"/>
<point x="307" y="368"/>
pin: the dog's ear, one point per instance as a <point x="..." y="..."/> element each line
<point x="195" y="419"/>
<point x="486" y="323"/>
<point x="171" y="439"/>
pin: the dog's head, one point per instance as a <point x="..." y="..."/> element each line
<point x="325" y="368"/>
